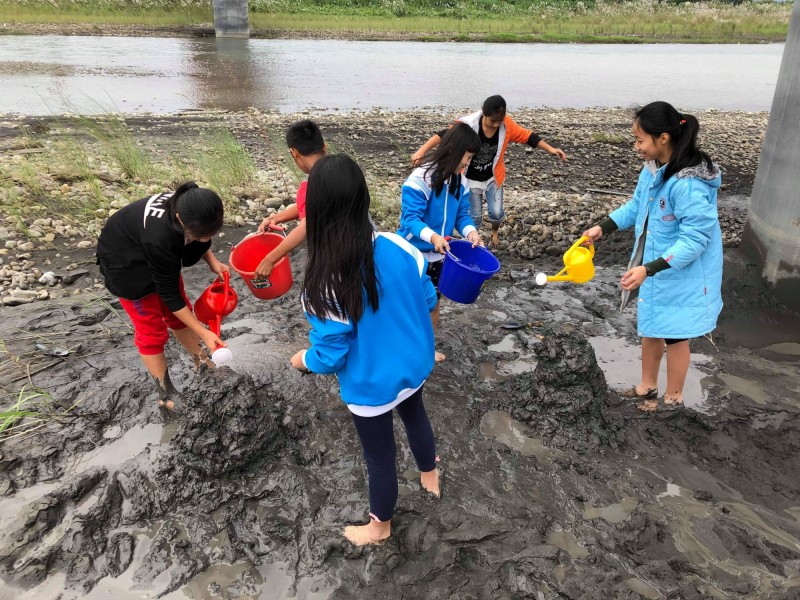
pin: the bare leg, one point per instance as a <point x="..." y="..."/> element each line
<point x="652" y="353"/>
<point x="495" y="235"/>
<point x="189" y="340"/>
<point x="677" y="367"/>
<point x="156" y="365"/>
<point x="438" y="356"/>
<point x="373" y="532"/>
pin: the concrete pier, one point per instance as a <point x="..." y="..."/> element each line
<point x="231" y="18"/>
<point x="772" y="232"/>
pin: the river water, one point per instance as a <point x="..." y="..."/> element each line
<point x="55" y="74"/>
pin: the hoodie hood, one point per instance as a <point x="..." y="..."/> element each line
<point x="711" y="175"/>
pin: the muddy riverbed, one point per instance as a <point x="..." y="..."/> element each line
<point x="554" y="486"/>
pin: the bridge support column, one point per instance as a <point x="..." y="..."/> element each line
<point x="231" y="18"/>
<point x="772" y="232"/>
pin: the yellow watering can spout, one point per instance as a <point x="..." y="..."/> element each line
<point x="578" y="265"/>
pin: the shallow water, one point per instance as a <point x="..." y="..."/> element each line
<point x="56" y="74"/>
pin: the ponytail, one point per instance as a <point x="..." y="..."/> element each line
<point x="200" y="209"/>
<point x="661" y="117"/>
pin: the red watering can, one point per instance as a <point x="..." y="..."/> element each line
<point x="215" y="303"/>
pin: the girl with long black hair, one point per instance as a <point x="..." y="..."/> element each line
<point x="677" y="264"/>
<point x="435" y="200"/>
<point x="141" y="251"/>
<point x="368" y="299"/>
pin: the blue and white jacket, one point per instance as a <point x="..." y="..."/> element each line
<point x="424" y="212"/>
<point x="388" y="354"/>
<point x="685" y="300"/>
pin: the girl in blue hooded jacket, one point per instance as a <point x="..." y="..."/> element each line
<point x="435" y="200"/>
<point x="369" y="301"/>
<point x="679" y="280"/>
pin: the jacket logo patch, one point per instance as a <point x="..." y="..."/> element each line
<point x="662" y="204"/>
<point x="668" y="218"/>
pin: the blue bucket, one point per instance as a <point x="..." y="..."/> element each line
<point x="462" y="281"/>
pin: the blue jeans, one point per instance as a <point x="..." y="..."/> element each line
<point x="494" y="203"/>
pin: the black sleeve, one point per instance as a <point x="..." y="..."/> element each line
<point x="165" y="269"/>
<point x="533" y="140"/>
<point x="608" y="226"/>
<point x="442" y="132"/>
<point x="656" y="266"/>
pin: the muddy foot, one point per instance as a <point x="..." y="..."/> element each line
<point x="674" y="402"/>
<point x="495" y="238"/>
<point x="202" y="360"/>
<point x="439" y="357"/>
<point x="640" y="392"/>
<point x="430" y="483"/>
<point x="371" y="533"/>
<point x="648" y="406"/>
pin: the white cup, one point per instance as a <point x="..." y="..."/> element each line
<point x="221" y="356"/>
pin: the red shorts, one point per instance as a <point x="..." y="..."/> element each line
<point x="151" y="318"/>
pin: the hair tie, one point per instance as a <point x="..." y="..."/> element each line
<point x="190" y="185"/>
<point x="683" y="122"/>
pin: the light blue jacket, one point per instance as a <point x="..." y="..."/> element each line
<point x="685" y="300"/>
<point x="425" y="212"/>
<point x="388" y="352"/>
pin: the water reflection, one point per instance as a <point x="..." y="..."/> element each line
<point x="50" y="74"/>
<point x="227" y="75"/>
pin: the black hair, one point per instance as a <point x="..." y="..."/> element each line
<point x="340" y="271"/>
<point x="494" y="106"/>
<point x="444" y="161"/>
<point x="200" y="209"/>
<point x="661" y="117"/>
<point x="305" y="137"/>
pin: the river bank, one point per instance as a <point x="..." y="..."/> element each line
<point x="60" y="183"/>
<point x="628" y="23"/>
<point x="554" y="486"/>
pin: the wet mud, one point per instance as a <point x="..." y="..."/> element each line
<point x="554" y="486"/>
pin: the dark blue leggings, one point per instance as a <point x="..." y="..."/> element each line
<point x="380" y="451"/>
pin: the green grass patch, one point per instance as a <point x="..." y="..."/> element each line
<point x="461" y="20"/>
<point x="84" y="163"/>
<point x="607" y="23"/>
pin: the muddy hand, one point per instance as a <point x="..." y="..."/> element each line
<point x="264" y="268"/>
<point x="297" y="362"/>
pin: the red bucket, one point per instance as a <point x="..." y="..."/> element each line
<point x="246" y="256"/>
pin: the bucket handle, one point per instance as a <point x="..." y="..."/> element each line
<point x="260" y="284"/>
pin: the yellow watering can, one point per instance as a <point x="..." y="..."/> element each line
<point x="578" y="266"/>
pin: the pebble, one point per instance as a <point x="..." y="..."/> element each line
<point x="16" y="300"/>
<point x="85" y="244"/>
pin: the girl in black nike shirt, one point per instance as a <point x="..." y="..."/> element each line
<point x="141" y="251"/>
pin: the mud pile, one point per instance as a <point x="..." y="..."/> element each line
<point x="554" y="488"/>
<point x="564" y="398"/>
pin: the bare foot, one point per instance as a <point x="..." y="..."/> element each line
<point x="439" y="357"/>
<point x="202" y="359"/>
<point x="670" y="401"/>
<point x="648" y="406"/>
<point x="430" y="482"/>
<point x="373" y="532"/>
<point x="495" y="238"/>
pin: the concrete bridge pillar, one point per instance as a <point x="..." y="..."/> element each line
<point x="772" y="231"/>
<point x="231" y="18"/>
